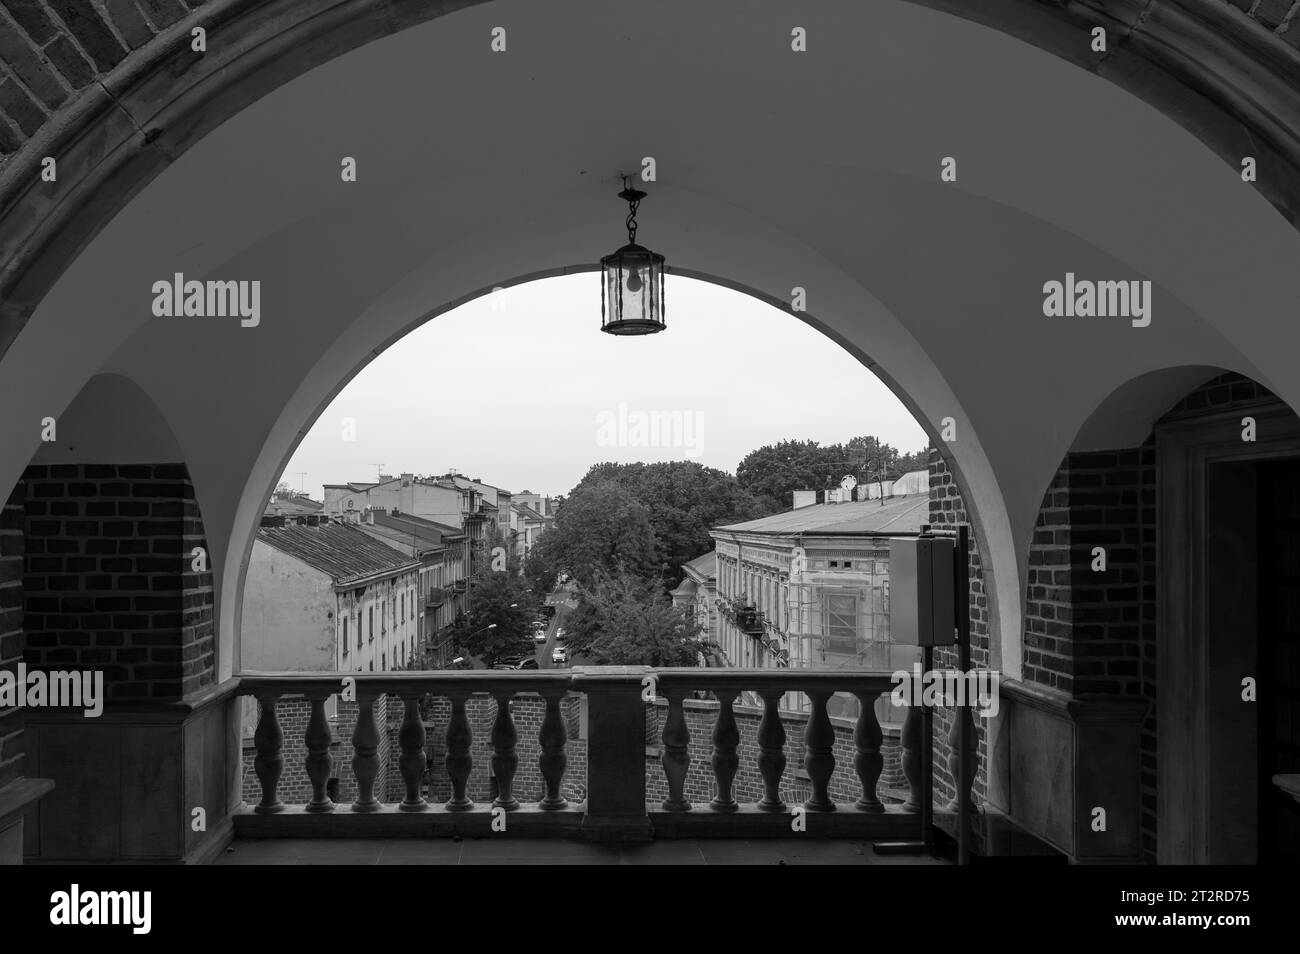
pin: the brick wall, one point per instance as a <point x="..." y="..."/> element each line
<point x="1083" y="627"/>
<point x="1087" y="631"/>
<point x="108" y="581"/>
<point x="11" y="629"/>
<point x="948" y="509"/>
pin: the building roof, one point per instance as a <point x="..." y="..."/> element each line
<point x="288" y="506"/>
<point x="704" y="566"/>
<point x="339" y="550"/>
<point x="525" y="511"/>
<point x="895" y="515"/>
<point x="428" y="533"/>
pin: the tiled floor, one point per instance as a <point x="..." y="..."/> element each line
<point x="488" y="851"/>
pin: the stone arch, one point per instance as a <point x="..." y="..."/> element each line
<point x="963" y="463"/>
<point x="116" y="585"/>
<point x="115" y="121"/>
<point x="1111" y="612"/>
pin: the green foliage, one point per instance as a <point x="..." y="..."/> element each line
<point x="625" y="620"/>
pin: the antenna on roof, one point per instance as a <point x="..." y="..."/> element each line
<point x="379" y="468"/>
<point x="302" y="484"/>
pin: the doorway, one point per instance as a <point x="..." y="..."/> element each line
<point x="1278" y="649"/>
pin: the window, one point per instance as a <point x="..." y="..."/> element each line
<point x="372" y="622"/>
<point x="840" y="629"/>
<point x="403" y="616"/>
<point x="345" y="635"/>
<point x="384" y="660"/>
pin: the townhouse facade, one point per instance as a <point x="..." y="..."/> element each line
<point x="809" y="588"/>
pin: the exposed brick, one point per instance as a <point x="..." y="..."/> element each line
<point x="90" y="30"/>
<point x="10" y="141"/>
<point x="23" y="60"/>
<point x="129" y="22"/>
<point x="20" y="107"/>
<point x="32" y="17"/>
<point x="162" y="13"/>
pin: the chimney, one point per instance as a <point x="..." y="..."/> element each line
<point x="269" y="520"/>
<point x="370" y="517"/>
<point x="804" y="498"/>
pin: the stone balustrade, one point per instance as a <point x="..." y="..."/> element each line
<point x="616" y="804"/>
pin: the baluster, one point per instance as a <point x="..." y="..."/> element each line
<point x="365" y="758"/>
<point x="962" y="715"/>
<point x="819" y="753"/>
<point x="459" y="762"/>
<point x="676" y="753"/>
<point x="771" y="752"/>
<point x="504" y="760"/>
<point x="319" y="763"/>
<point x="868" y="762"/>
<point x="269" y="762"/>
<point x="552" y="762"/>
<point x="725" y="761"/>
<point x="911" y="740"/>
<point x="412" y="763"/>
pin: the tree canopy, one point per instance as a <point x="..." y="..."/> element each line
<point x="625" y="620"/>
<point x="502" y="605"/>
<point x="773" y="472"/>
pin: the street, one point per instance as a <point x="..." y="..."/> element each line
<point x="562" y="598"/>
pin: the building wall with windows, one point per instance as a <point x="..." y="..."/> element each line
<point x="810" y="589"/>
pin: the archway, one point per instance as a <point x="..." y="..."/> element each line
<point x="116" y="582"/>
<point x="1152" y="584"/>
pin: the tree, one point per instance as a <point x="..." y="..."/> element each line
<point x="602" y="527"/>
<point x="773" y="472"/>
<point x="543" y="563"/>
<point x="625" y="620"/>
<point x="684" y="500"/>
<point x="501" y="608"/>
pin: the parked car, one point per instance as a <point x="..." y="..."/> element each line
<point x="559" y="633"/>
<point x="539" y="636"/>
<point x="560" y="655"/>
<point x="528" y="663"/>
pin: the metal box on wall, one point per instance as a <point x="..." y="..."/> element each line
<point x="922" y="602"/>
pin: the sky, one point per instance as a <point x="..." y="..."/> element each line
<point x="522" y="390"/>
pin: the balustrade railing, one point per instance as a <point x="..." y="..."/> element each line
<point x="615" y="754"/>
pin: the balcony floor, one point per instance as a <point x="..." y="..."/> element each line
<point x="488" y="851"/>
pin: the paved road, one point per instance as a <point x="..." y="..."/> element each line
<point x="562" y="599"/>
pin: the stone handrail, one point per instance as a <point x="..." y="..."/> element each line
<point x="616" y="701"/>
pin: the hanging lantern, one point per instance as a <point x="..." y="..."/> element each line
<point x="632" y="281"/>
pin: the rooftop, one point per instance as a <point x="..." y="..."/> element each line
<point x="339" y="550"/>
<point x="704" y="566"/>
<point x="895" y="515"/>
